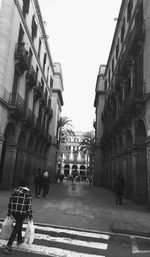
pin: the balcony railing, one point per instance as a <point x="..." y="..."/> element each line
<point x="21" y="56"/>
<point x="31" y="77"/>
<point x="135" y="36"/>
<point x="38" y="90"/>
<point x="4" y="95"/>
<point x="16" y="106"/>
<point x="30" y="116"/>
<point x="132" y="102"/>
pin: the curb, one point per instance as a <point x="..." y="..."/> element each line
<point x="127" y="228"/>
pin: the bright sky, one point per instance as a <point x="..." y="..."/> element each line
<point x="80" y="36"/>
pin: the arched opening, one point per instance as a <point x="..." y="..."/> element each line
<point x="19" y="171"/>
<point x="66" y="170"/>
<point x="8" y="139"/>
<point x="74" y="170"/>
<point x="82" y="170"/>
<point x="129" y="166"/>
<point x="141" y="163"/>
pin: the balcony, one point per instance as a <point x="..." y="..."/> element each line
<point x="16" y="107"/>
<point x="29" y="118"/>
<point x="38" y="90"/>
<point x="38" y="124"/>
<point x="21" y="57"/>
<point x="31" y="77"/>
<point x="134" y="101"/>
<point x="50" y="113"/>
<point x="135" y="98"/>
<point x="136" y="37"/>
<point x="4" y="95"/>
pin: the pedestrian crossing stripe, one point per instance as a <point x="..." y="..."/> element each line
<point x="71" y="241"/>
<point x="72" y="232"/>
<point x="48" y="251"/>
<point x="90" y="241"/>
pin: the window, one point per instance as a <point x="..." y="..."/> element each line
<point x="44" y="61"/>
<point x="25" y="8"/>
<point x="105" y="85"/>
<point x="30" y="56"/>
<point x="123" y="30"/>
<point x="117" y="49"/>
<point x="42" y="85"/>
<point x="33" y="27"/>
<point x="37" y="72"/>
<point x="21" y="33"/>
<point x="47" y="73"/>
<point x="109" y="76"/>
<point x="51" y="82"/>
<point x="129" y="9"/>
<point x="39" y="48"/>
<point x="112" y="65"/>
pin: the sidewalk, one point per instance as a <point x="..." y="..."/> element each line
<point x="83" y="206"/>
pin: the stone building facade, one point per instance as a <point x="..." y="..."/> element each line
<point x="125" y="140"/>
<point x="30" y="94"/>
<point x="73" y="161"/>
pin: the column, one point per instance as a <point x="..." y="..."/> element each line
<point x="1" y="144"/>
<point x="148" y="169"/>
<point x="9" y="166"/>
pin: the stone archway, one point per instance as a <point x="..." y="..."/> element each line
<point x="30" y="161"/>
<point x="74" y="170"/>
<point x="141" y="163"/>
<point x="21" y="157"/>
<point x="8" y="156"/>
<point x="82" y="170"/>
<point x="129" y="166"/>
<point x="66" y="170"/>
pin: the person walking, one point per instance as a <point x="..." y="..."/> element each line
<point x="45" y="183"/>
<point x="38" y="183"/>
<point x="20" y="208"/>
<point x="119" y="185"/>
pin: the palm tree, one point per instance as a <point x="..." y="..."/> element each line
<point x="87" y="146"/>
<point x="65" y="129"/>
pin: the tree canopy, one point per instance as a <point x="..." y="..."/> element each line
<point x="87" y="144"/>
<point x="65" y="129"/>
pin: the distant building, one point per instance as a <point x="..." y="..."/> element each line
<point x="124" y="143"/>
<point x="73" y="161"/>
<point x="30" y="94"/>
<point x="98" y="175"/>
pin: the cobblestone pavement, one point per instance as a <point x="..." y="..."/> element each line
<point x="84" y="206"/>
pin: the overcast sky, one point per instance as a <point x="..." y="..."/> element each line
<point x="80" y="36"/>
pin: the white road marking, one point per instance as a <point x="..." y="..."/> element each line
<point x="70" y="241"/>
<point x="49" y="251"/>
<point x="135" y="248"/>
<point x="72" y="232"/>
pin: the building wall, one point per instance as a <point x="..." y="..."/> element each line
<point x="72" y="165"/>
<point x="125" y="115"/>
<point x="26" y="82"/>
<point x="98" y="177"/>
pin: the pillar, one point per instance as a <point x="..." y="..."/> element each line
<point x="148" y="170"/>
<point x="51" y="160"/>
<point x="9" y="166"/>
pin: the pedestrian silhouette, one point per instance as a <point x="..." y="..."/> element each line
<point x="119" y="185"/>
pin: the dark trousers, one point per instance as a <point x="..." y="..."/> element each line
<point x="118" y="198"/>
<point x="45" y="190"/>
<point x="17" y="230"/>
<point x="37" y="190"/>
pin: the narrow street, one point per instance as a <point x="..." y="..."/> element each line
<point x="76" y="220"/>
